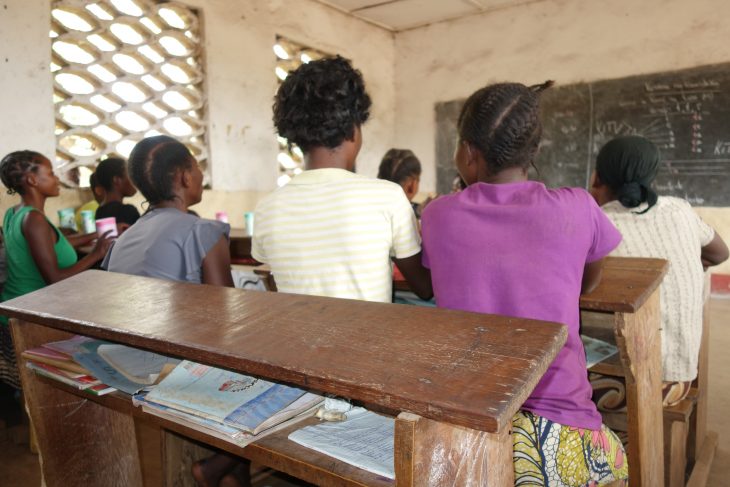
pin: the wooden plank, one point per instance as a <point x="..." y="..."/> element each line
<point x="467" y="369"/>
<point x="429" y="453"/>
<point x="701" y="470"/>
<point x="71" y="428"/>
<point x="639" y="342"/>
<point x="626" y="284"/>
<point x="698" y="425"/>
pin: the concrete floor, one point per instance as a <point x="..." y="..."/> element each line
<point x="19" y="467"/>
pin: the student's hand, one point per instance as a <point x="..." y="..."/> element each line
<point x="121" y="227"/>
<point x="102" y="245"/>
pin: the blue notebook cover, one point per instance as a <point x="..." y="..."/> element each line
<point x="100" y="368"/>
<point x="221" y="395"/>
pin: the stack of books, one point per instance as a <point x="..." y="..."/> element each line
<point x="234" y="407"/>
<point x="55" y="361"/>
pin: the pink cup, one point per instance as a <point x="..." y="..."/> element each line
<point x="106" y="224"/>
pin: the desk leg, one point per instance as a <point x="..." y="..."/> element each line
<point x="81" y="443"/>
<point x="698" y="424"/>
<point x="430" y="453"/>
<point x="639" y="342"/>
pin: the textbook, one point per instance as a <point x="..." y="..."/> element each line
<point x="56" y="359"/>
<point x="236" y="400"/>
<point x="79" y="382"/>
<point x="597" y="350"/>
<point x="364" y="439"/>
<point x="88" y="357"/>
<point x="139" y="366"/>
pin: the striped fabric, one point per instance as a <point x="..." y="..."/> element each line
<point x="670" y="230"/>
<point x="330" y="232"/>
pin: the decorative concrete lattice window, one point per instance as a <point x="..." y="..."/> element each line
<point x="124" y="70"/>
<point x="289" y="56"/>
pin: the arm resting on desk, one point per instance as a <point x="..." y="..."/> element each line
<point x="418" y="277"/>
<point x="715" y="252"/>
<point x="591" y="276"/>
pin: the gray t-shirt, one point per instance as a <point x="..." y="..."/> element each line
<point x="167" y="244"/>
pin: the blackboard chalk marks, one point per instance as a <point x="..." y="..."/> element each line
<point x="685" y="113"/>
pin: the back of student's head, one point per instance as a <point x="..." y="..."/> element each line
<point x="153" y="164"/>
<point x="398" y="165"/>
<point x="503" y="122"/>
<point x="16" y="165"/>
<point x="107" y="170"/>
<point x="321" y="103"/>
<point x="628" y="166"/>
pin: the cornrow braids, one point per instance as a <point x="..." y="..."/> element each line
<point x="153" y="163"/>
<point x="503" y="122"/>
<point x="15" y="166"/>
<point x="398" y="165"/>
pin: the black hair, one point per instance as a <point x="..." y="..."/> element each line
<point x="93" y="181"/>
<point x="321" y="103"/>
<point x="16" y="165"/>
<point x="398" y="165"/>
<point x="503" y="122"/>
<point x="153" y="163"/>
<point x="107" y="170"/>
<point x="628" y="165"/>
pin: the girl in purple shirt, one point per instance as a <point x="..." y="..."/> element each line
<point x="506" y="245"/>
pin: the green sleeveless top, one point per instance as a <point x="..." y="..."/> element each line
<point x="23" y="275"/>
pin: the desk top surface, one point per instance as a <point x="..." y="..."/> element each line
<point x="463" y="368"/>
<point x="626" y="283"/>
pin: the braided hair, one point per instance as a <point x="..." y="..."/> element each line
<point x="398" y="165"/>
<point x="153" y="163"/>
<point x="503" y="122"/>
<point x="321" y="103"/>
<point x="16" y="165"/>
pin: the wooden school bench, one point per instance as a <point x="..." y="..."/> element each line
<point x="453" y="380"/>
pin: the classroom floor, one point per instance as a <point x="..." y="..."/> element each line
<point x="19" y="467"/>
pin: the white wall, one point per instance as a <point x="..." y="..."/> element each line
<point x="239" y="36"/>
<point x="564" y="40"/>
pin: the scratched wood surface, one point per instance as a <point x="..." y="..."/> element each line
<point x="463" y="368"/>
<point x="626" y="284"/>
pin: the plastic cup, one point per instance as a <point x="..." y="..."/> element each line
<point x="248" y="217"/>
<point x="67" y="219"/>
<point x="87" y="221"/>
<point x="106" y="224"/>
<point x="221" y="216"/>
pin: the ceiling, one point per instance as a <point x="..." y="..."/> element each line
<point x="400" y="15"/>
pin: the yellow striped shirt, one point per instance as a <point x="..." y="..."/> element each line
<point x="330" y="232"/>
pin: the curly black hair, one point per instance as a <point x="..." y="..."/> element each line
<point x="398" y="165"/>
<point x="108" y="169"/>
<point x="321" y="103"/>
<point x="153" y="163"/>
<point x="16" y="165"/>
<point x="503" y="122"/>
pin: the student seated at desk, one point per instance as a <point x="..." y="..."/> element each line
<point x="402" y="167"/>
<point x="509" y="246"/>
<point x="98" y="192"/>
<point x="113" y="178"/>
<point x="36" y="252"/>
<point x="667" y="228"/>
<point x="167" y="242"/>
<point x="329" y="231"/>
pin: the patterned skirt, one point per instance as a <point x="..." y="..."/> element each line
<point x="553" y="455"/>
<point x="8" y="365"/>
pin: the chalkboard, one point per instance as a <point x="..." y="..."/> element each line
<point x="686" y="113"/>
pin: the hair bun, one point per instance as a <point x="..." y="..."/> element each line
<point x="631" y="194"/>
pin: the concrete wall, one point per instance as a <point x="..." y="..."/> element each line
<point x="241" y="83"/>
<point x="564" y="40"/>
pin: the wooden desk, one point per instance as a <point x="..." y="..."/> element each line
<point x="454" y="379"/>
<point x="241" y="247"/>
<point x="626" y="305"/>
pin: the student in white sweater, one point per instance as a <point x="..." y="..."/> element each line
<point x="663" y="227"/>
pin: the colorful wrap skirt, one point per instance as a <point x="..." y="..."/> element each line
<point x="553" y="455"/>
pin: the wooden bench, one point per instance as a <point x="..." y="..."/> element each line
<point x="453" y="380"/>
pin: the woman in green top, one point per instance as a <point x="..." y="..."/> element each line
<point x="37" y="253"/>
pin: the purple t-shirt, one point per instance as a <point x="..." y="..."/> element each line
<point x="519" y="250"/>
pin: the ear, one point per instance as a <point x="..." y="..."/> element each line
<point x="31" y="179"/>
<point x="595" y="182"/>
<point x="186" y="178"/>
